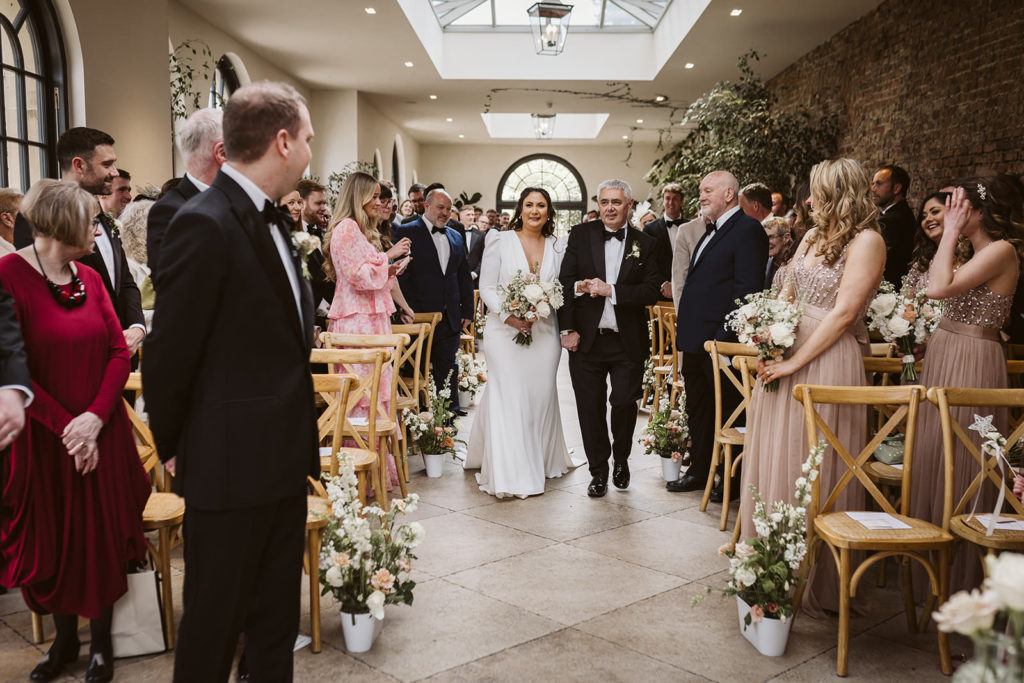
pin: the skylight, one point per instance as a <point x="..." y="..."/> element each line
<point x="587" y="15"/>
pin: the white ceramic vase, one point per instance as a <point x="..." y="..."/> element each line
<point x="465" y="399"/>
<point x="360" y="630"/>
<point x="769" y="636"/>
<point x="434" y="463"/>
<point x="670" y="468"/>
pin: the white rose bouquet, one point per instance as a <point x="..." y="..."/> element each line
<point x="528" y="298"/>
<point x="366" y="558"/>
<point x="768" y="323"/>
<point x="472" y="374"/>
<point x="906" y="318"/>
<point x="304" y="245"/>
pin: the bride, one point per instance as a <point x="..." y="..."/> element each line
<point x="517" y="438"/>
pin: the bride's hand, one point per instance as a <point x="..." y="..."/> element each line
<point x="523" y="326"/>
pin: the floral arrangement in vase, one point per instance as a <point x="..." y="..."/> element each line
<point x="667" y="433"/>
<point x="472" y="375"/>
<point x="365" y="558"/>
<point x="766" y="322"/>
<point x="906" y="318"/>
<point x="433" y="431"/>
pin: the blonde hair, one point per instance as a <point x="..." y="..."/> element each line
<point x="840" y="207"/>
<point x="778" y="223"/>
<point x="134" y="219"/>
<point x="60" y="211"/>
<point x="357" y="190"/>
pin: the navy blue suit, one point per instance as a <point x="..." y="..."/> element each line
<point x="730" y="267"/>
<point x="429" y="290"/>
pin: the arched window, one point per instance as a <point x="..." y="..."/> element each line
<point x="33" y="97"/>
<point x="224" y="82"/>
<point x="556" y="175"/>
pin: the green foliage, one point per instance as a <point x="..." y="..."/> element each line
<point x="465" y="199"/>
<point x="190" y="61"/>
<point x="336" y="179"/>
<point x="738" y="127"/>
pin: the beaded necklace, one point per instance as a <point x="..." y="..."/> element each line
<point x="69" y="300"/>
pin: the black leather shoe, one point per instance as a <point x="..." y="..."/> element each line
<point x="101" y="669"/>
<point x="620" y="475"/>
<point x="598" y="487"/>
<point x="52" y="665"/>
<point x="716" y="491"/>
<point x="688" y="482"/>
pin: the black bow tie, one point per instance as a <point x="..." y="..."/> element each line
<point x="435" y="230"/>
<point x="709" y="228"/>
<point x="277" y="215"/>
<point x="672" y="224"/>
<point x="619" y="234"/>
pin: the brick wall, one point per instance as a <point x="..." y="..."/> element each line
<point x="936" y="87"/>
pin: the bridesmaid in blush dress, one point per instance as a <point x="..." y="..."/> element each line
<point x="966" y="350"/>
<point x="836" y="271"/>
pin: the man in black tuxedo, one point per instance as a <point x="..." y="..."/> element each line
<point x="475" y="239"/>
<point x="889" y="193"/>
<point x="15" y="383"/>
<point x="314" y="221"/>
<point x="437" y="280"/>
<point x="727" y="264"/>
<point x="230" y="396"/>
<point x="201" y="143"/>
<point x="608" y="277"/>
<point x="664" y="230"/>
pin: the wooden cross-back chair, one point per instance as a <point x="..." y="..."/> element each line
<point x="467" y="340"/>
<point x="728" y="435"/>
<point x="883" y="350"/>
<point x="667" y="369"/>
<point x="652" y="328"/>
<point x="330" y="426"/>
<point x="747" y="367"/>
<point x="884" y="371"/>
<point x="956" y="513"/>
<point x="409" y="385"/>
<point x="843" y="535"/>
<point x="433" y="320"/>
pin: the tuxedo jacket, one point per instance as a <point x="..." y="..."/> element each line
<point x="13" y="365"/>
<point x="898" y="225"/>
<point x="322" y="287"/>
<point x="636" y="287"/>
<point x="663" y="247"/>
<point x="160" y="215"/>
<point x="226" y="369"/>
<point x="425" y="287"/>
<point x="731" y="266"/>
<point x="124" y="293"/>
<point x="475" y="244"/>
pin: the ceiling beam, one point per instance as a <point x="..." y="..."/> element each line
<point x="451" y="10"/>
<point x="646" y="12"/>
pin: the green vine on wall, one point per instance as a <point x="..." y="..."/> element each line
<point x="336" y="179"/>
<point x="191" y="62"/>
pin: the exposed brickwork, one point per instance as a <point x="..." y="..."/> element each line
<point x="936" y="87"/>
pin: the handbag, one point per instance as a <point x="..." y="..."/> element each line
<point x="137" y="624"/>
<point x="890" y="451"/>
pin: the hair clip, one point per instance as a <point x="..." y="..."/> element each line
<point x="982" y="192"/>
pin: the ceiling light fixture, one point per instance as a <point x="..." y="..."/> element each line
<point x="408" y="65"/>
<point x="449" y="119"/>
<point x="461" y="136"/>
<point x="660" y="98"/>
<point x="735" y="13"/>
<point x="433" y="97"/>
<point x="625" y="137"/>
<point x="688" y="65"/>
<point x="639" y="120"/>
<point x="549" y="23"/>
<point x="543" y="126"/>
<point x="370" y="10"/>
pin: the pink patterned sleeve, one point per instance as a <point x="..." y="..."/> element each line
<point x="356" y="260"/>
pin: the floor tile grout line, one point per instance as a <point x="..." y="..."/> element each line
<point x="635" y="651"/>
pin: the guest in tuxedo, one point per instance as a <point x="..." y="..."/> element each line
<point x="10" y="206"/>
<point x="664" y="231"/>
<point x="475" y="238"/>
<point x="728" y="263"/>
<point x="228" y="275"/>
<point x="74" y="488"/>
<point x="438" y="280"/>
<point x="780" y="207"/>
<point x="756" y="201"/>
<point x="780" y="246"/>
<point x="889" y="193"/>
<point x="201" y="143"/>
<point x="120" y="194"/>
<point x="608" y="277"/>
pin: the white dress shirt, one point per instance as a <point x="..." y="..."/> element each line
<point x="106" y="249"/>
<point x="672" y="229"/>
<point x="259" y="198"/>
<point x="718" y="224"/>
<point x="443" y="246"/>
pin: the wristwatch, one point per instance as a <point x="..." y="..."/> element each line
<point x="566" y="333"/>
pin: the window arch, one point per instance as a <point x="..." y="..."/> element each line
<point x="224" y="82"/>
<point x="33" y="97"/>
<point x="556" y="175"/>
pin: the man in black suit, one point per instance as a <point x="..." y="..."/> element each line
<point x="727" y="264"/>
<point x="201" y="143"/>
<point x="664" y="230"/>
<point x="437" y="280"/>
<point x="15" y="383"/>
<point x="475" y="239"/>
<point x="889" y="193"/>
<point x="609" y="277"/>
<point x="86" y="157"/>
<point x="229" y="393"/>
<point x="314" y="221"/>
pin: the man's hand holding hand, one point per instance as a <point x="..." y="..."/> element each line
<point x="571" y="341"/>
<point x="133" y="336"/>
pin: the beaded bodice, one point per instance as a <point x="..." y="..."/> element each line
<point x="980" y="307"/>
<point x="818" y="285"/>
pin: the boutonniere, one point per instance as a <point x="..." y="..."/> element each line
<point x="304" y="245"/>
<point x="113" y="224"/>
<point x="634" y="252"/>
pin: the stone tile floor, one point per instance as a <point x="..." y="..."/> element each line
<point x="561" y="587"/>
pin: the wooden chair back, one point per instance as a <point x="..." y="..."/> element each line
<point x="662" y="347"/>
<point x="722" y="354"/>
<point x="395" y="344"/>
<point x="339" y="386"/>
<point x="433" y="320"/>
<point x="368" y="387"/>
<point x="412" y="359"/>
<point x="652" y="329"/>
<point x="883" y="350"/>
<point x="747" y="365"/>
<point x="952" y="432"/>
<point x="144" y="441"/>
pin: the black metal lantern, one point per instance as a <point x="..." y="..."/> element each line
<point x="549" y="23"/>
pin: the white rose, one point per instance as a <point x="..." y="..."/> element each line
<point x="782" y="335"/>
<point x="743" y="550"/>
<point x="1005" y="579"/>
<point x="413" y="534"/>
<point x="883" y="304"/>
<point x="375" y="603"/>
<point x="745" y="577"/>
<point x="899" y="326"/>
<point x="968" y="613"/>
<point x="533" y="293"/>
<point x="333" y="576"/>
<point x="543" y="310"/>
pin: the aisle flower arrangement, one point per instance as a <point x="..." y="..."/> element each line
<point x="529" y="298"/>
<point x="472" y="374"/>
<point x="434" y="430"/>
<point x="648" y="381"/>
<point x="906" y="318"/>
<point x="365" y="558"/>
<point x="766" y="322"/>
<point x="667" y="434"/>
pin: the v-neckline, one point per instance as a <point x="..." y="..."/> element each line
<point x="522" y="250"/>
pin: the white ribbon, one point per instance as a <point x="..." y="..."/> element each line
<point x="909" y="358"/>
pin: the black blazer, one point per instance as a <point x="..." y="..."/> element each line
<point x="425" y="287"/>
<point x="13" y="365"/>
<point x="898" y="225"/>
<point x="475" y="243"/>
<point x="160" y="215"/>
<point x="636" y="288"/>
<point x="322" y="287"/>
<point x="663" y="247"/>
<point x="731" y="266"/>
<point x="226" y="369"/>
<point x="124" y="294"/>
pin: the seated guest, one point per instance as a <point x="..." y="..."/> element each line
<point x="293" y="203"/>
<point x="10" y="203"/>
<point x="779" y="246"/>
<point x="133" y="237"/>
<point x="72" y="517"/>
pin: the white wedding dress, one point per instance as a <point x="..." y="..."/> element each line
<point x="517" y="439"/>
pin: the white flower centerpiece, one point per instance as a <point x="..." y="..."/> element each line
<point x="529" y="298"/>
<point x="667" y="435"/>
<point x="432" y="432"/>
<point x="768" y="323"/>
<point x="365" y="558"/>
<point x="906" y="318"/>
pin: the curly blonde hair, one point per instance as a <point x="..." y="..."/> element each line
<point x="356" y="191"/>
<point x="840" y="207"/>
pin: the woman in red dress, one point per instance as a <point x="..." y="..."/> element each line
<point x="73" y="488"/>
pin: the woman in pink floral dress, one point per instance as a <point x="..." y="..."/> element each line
<point x="365" y="287"/>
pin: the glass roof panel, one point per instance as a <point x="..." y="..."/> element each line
<point x="512" y="13"/>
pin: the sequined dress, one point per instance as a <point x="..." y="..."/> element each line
<point x="965" y="351"/>
<point x="776" y="441"/>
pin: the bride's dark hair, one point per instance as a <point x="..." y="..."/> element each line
<point x="517" y="218"/>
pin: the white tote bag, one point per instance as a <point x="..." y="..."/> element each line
<point x="137" y="627"/>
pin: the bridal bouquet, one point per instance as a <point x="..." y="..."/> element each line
<point x="667" y="433"/>
<point x="472" y="374"/>
<point x="766" y="322"/>
<point x="365" y="558"/>
<point x="433" y="431"/>
<point x="528" y="298"/>
<point x="906" y="318"/>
